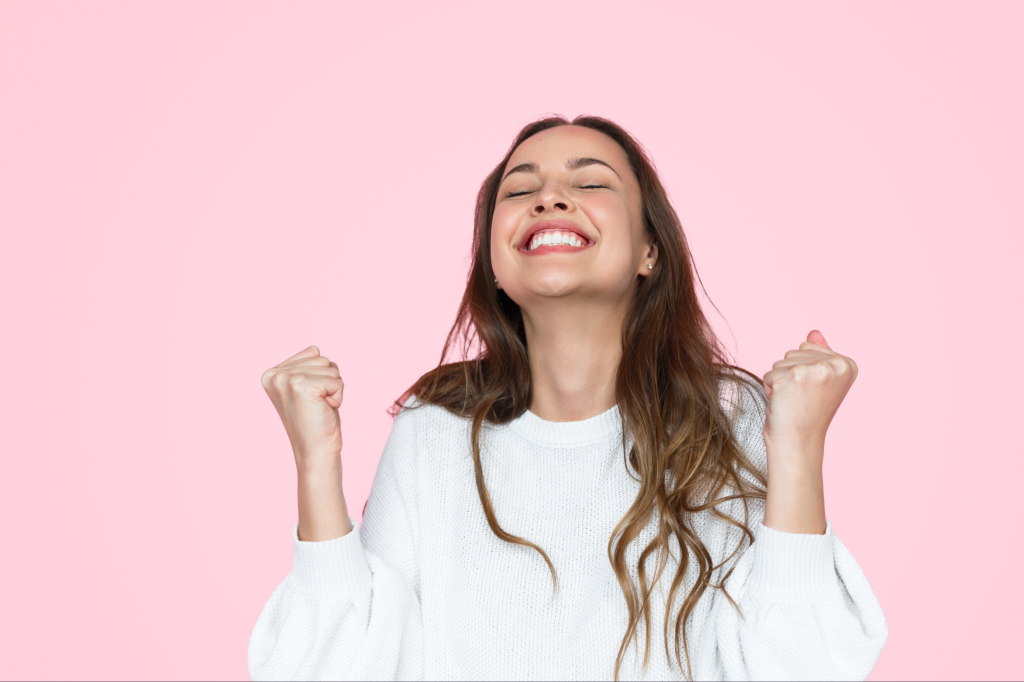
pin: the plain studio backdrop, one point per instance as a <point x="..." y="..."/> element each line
<point x="192" y="192"/>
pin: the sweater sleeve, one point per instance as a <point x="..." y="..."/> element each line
<point x="345" y="612"/>
<point x="804" y="609"/>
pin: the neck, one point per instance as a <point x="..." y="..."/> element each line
<point x="574" y="352"/>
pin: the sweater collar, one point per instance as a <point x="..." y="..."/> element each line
<point x="600" y="427"/>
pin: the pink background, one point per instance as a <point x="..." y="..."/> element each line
<point x="190" y="193"/>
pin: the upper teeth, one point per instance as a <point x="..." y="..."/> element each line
<point x="546" y="238"/>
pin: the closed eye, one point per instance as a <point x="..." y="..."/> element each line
<point x="530" y="191"/>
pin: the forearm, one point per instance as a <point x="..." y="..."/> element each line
<point x="323" y="513"/>
<point x="796" y="493"/>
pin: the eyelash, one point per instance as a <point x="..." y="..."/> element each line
<point x="530" y="191"/>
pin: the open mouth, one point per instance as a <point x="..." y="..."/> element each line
<point x="555" y="236"/>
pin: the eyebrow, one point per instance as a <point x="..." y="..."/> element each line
<point x="571" y="164"/>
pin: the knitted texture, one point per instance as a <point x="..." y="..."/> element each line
<point x="423" y="589"/>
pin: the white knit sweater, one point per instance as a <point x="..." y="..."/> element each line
<point x="423" y="589"/>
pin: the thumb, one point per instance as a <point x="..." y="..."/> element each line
<point x="817" y="337"/>
<point x="333" y="395"/>
<point x="328" y="389"/>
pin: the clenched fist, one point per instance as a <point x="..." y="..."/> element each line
<point x="805" y="390"/>
<point x="306" y="389"/>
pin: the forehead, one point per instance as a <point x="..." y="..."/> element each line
<point x="555" y="146"/>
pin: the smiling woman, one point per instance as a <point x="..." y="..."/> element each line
<point x="596" y="469"/>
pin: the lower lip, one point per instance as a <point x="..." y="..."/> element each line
<point x="555" y="248"/>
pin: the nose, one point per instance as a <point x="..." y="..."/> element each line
<point x="552" y="199"/>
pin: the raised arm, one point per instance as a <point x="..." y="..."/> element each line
<point x="804" y="608"/>
<point x="343" y="612"/>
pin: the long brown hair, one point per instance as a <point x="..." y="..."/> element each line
<point x="667" y="390"/>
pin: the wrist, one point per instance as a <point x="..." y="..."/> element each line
<point x="795" y="454"/>
<point x="323" y="511"/>
<point x="795" y="501"/>
<point x="318" y="465"/>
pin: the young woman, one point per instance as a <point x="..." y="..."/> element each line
<point x="597" y="493"/>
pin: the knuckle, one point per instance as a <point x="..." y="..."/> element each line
<point x="790" y="353"/>
<point x="822" y="369"/>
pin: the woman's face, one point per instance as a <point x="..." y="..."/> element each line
<point x="569" y="184"/>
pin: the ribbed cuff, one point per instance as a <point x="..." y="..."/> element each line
<point x="796" y="566"/>
<point x="331" y="568"/>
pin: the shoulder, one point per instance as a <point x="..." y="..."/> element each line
<point x="742" y="396"/>
<point x="411" y="445"/>
<point x="743" y="399"/>
<point x="429" y="426"/>
<point x="426" y="446"/>
<point x="416" y="413"/>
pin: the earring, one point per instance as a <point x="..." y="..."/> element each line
<point x="495" y="280"/>
<point x="650" y="266"/>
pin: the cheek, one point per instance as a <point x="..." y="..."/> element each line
<point x="613" y="218"/>
<point x="503" y="222"/>
<point x="503" y="228"/>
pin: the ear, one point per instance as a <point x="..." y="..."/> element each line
<point x="652" y="252"/>
<point x="650" y="258"/>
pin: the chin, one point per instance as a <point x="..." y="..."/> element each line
<point x="553" y="287"/>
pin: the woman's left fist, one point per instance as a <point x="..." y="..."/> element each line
<point x="804" y="392"/>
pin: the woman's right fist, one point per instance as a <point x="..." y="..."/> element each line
<point x="306" y="389"/>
